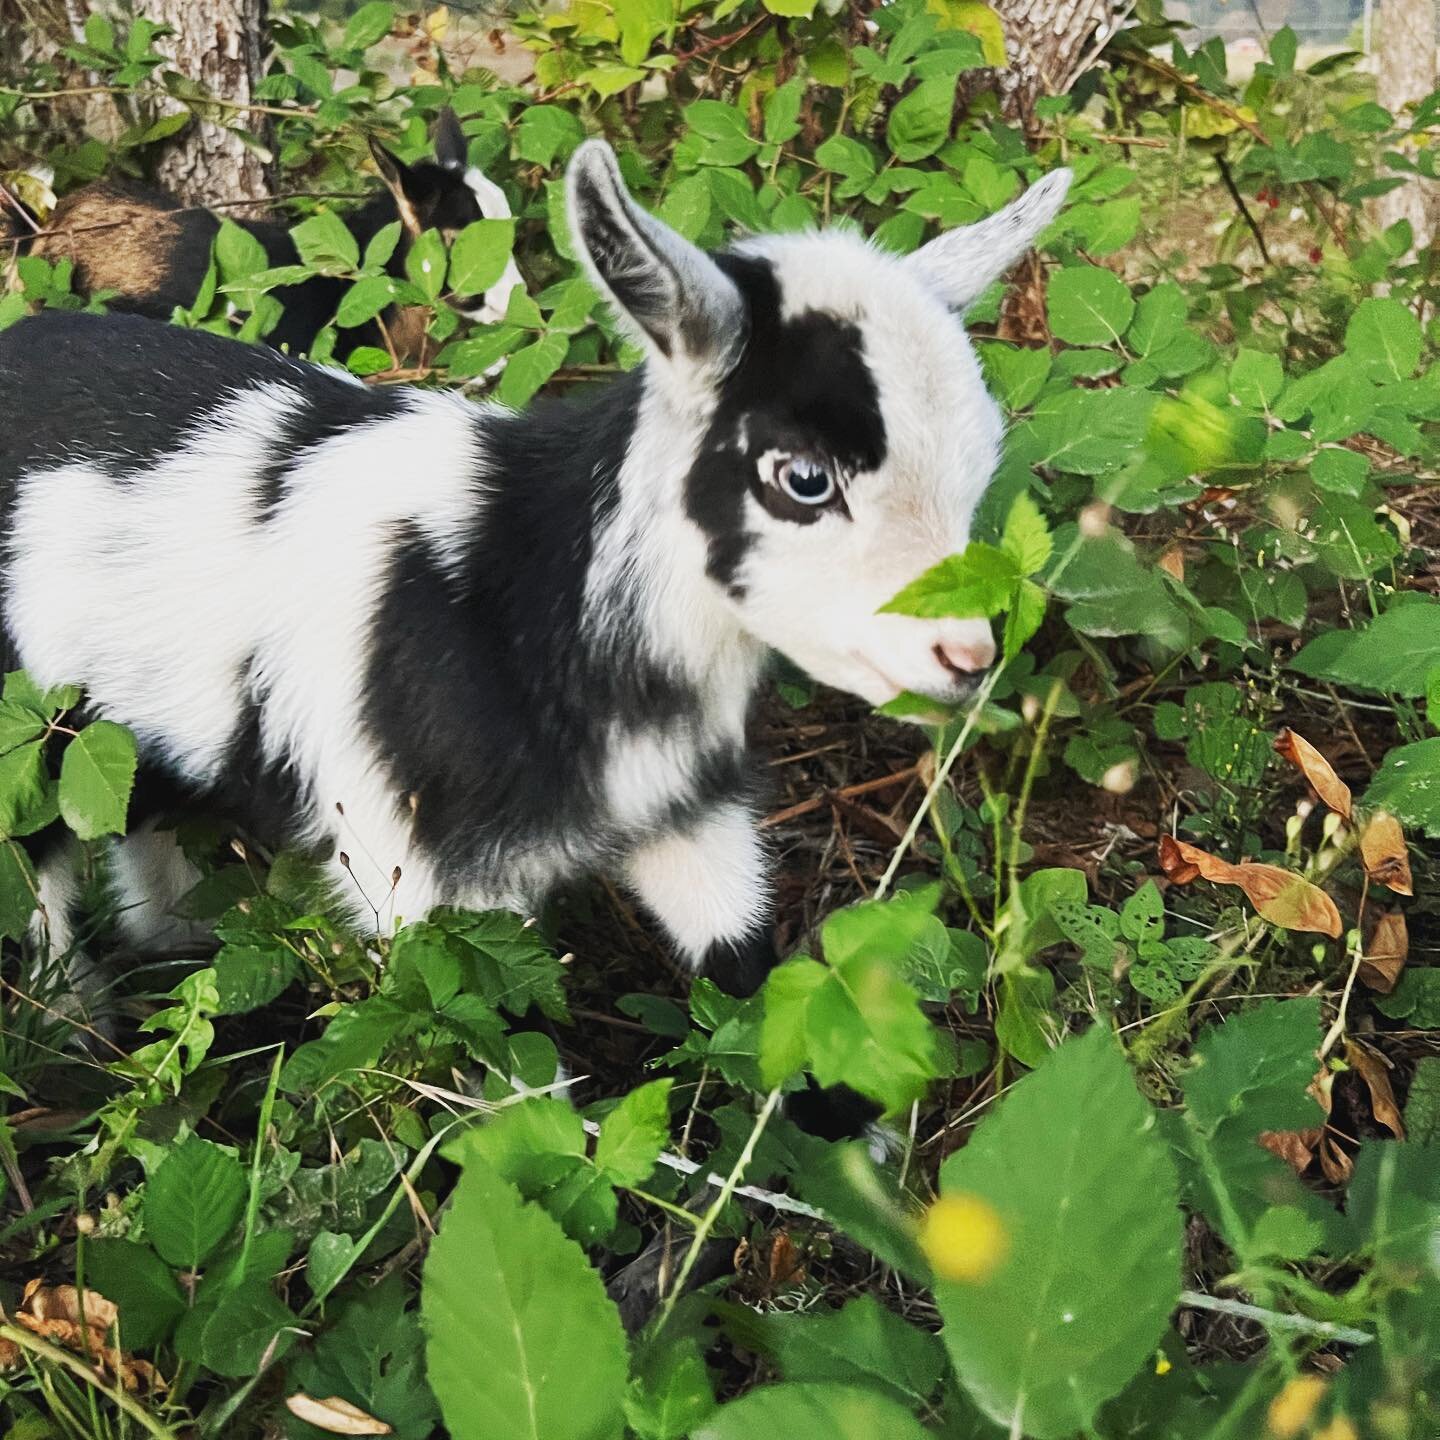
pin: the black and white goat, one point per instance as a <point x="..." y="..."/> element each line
<point x="478" y="651"/>
<point x="150" y="254"/>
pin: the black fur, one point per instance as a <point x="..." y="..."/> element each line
<point x="801" y="386"/>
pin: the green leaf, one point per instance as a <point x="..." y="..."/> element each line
<point x="1015" y="372"/>
<point x="97" y="772"/>
<point x="546" y="133"/>
<point x="1251" y="1072"/>
<point x="634" y="1133"/>
<point x="1408" y="785"/>
<point x="975" y="584"/>
<point x="18" y="891"/>
<point x="1383" y="337"/>
<point x="370" y="23"/>
<point x="238" y="253"/>
<point x="354" y="1039"/>
<point x="1422" y="1106"/>
<point x="325" y="244"/>
<point x="1343" y="472"/>
<point x="1091" y="1269"/>
<point x="864" y="1345"/>
<point x="234" y="1330"/>
<point x="328" y="1261"/>
<point x="425" y="264"/>
<point x="382" y="245"/>
<point x="480" y="254"/>
<point x="1256" y="378"/>
<point x="249" y="976"/>
<point x="193" y="1201"/>
<point x="672" y="1391"/>
<point x="791" y="9"/>
<point x="364" y="300"/>
<point x="1088" y="305"/>
<point x="530" y="368"/>
<point x="1027" y="537"/>
<point x="920" y="123"/>
<point x="141" y="1284"/>
<point x="811" y="1412"/>
<point x="24" y="785"/>
<point x="1394" y="654"/>
<point x="502" y="1281"/>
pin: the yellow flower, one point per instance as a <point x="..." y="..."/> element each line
<point x="1163" y="1365"/>
<point x="964" y="1238"/>
<point x="1291" y="1409"/>
<point x="1340" y="1428"/>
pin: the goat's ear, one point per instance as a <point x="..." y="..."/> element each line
<point x="398" y="178"/>
<point x="451" y="152"/>
<point x="672" y="293"/>
<point x="961" y="264"/>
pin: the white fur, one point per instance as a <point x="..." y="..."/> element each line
<point x="493" y="206"/>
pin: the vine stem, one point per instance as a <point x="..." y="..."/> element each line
<point x="1275" y="1319"/>
<point x="707" y="1221"/>
<point x="942" y="774"/>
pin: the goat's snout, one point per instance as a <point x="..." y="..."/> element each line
<point x="965" y="659"/>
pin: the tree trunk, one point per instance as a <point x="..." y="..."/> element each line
<point x="1050" y="43"/>
<point x="217" y="45"/>
<point x="1405" y="73"/>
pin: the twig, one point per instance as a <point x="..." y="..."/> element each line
<point x="1276" y="1319"/>
<point x="1228" y="177"/>
<point x="848" y="792"/>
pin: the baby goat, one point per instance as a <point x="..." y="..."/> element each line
<point x="152" y="253"/>
<point x="470" y="652"/>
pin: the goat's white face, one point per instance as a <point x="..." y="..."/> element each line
<point x="848" y="432"/>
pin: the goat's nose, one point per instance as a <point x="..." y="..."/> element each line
<point x="965" y="658"/>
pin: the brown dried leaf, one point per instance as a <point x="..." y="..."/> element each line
<point x="62" y="1302"/>
<point x="10" y="1354"/>
<point x="335" y="1416"/>
<point x="1371" y="1069"/>
<point x="1335" y="1164"/>
<point x="1316" y="769"/>
<point x="1386" y="953"/>
<point x="1295" y="1147"/>
<point x="1172" y="562"/>
<point x="53" y="1313"/>
<point x="786" y="1264"/>
<point x="1382" y="848"/>
<point x="1284" y="899"/>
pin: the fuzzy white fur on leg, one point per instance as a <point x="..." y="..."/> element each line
<point x="151" y="874"/>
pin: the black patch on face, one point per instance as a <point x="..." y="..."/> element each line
<point x="491" y="709"/>
<point x="68" y="390"/>
<point x="317" y="420"/>
<point x="802" y="387"/>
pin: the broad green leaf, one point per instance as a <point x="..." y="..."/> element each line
<point x="1085" y="1194"/>
<point x="546" y="133"/>
<point x="141" y="1284"/>
<point x="192" y="1202"/>
<point x="687" y="206"/>
<point x="1343" y="472"/>
<point x="324" y="243"/>
<point x="382" y="245"/>
<point x="1407" y="784"/>
<point x="1422" y="1105"/>
<point x="354" y="1038"/>
<point x="920" y="122"/>
<point x="479" y="255"/>
<point x="530" y="368"/>
<point x="1256" y="378"/>
<point x="232" y="1331"/>
<point x="249" y="976"/>
<point x="1089" y="305"/>
<point x="503" y="1282"/>
<point x="863" y="1344"/>
<point x="370" y="23"/>
<point x="791" y="9"/>
<point x="634" y="1133"/>
<point x="1383" y="337"/>
<point x="672" y="1391"/>
<point x="19" y="890"/>
<point x="641" y="22"/>
<point x="425" y="264"/>
<point x="364" y="300"/>
<point x="328" y="1261"/>
<point x="97" y="772"/>
<point x="1015" y="372"/>
<point x="1394" y="654"/>
<point x="811" y="1412"/>
<point x="24" y="784"/>
<point x="975" y="584"/>
<point x="1250" y="1073"/>
<point x="1027" y="537"/>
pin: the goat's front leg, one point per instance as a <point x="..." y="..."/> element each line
<point x="708" y="886"/>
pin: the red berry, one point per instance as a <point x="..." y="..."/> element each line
<point x="1315" y="254"/>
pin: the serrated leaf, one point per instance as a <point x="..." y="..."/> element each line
<point x="1027" y="537"/>
<point x="1091" y="1269"/>
<point x="502" y="1281"/>
<point x="141" y="1284"/>
<point x="1383" y="338"/>
<point x="192" y="1202"/>
<point x="976" y="584"/>
<point x="369" y="24"/>
<point x="530" y="368"/>
<point x="97" y="772"/>
<point x="1394" y="654"/>
<point x="634" y="1133"/>
<point x="479" y="255"/>
<point x="920" y="122"/>
<point x="1089" y="305"/>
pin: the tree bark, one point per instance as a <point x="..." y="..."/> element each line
<point x="218" y="45"/>
<point x="1049" y="43"/>
<point x="1405" y="73"/>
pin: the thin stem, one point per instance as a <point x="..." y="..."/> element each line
<point x="1275" y="1319"/>
<point x="708" y="1220"/>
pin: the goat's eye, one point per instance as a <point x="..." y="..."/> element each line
<point x="805" y="480"/>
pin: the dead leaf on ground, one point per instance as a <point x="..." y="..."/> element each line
<point x="1295" y="1147"/>
<point x="1172" y="562"/>
<point x="1335" y="1165"/>
<point x="1386" y="953"/>
<point x="1371" y="1069"/>
<point x="335" y="1416"/>
<point x="1281" y="897"/>
<point x="1317" y="770"/>
<point x="53" y="1312"/>
<point x="787" y="1267"/>
<point x="1382" y="849"/>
